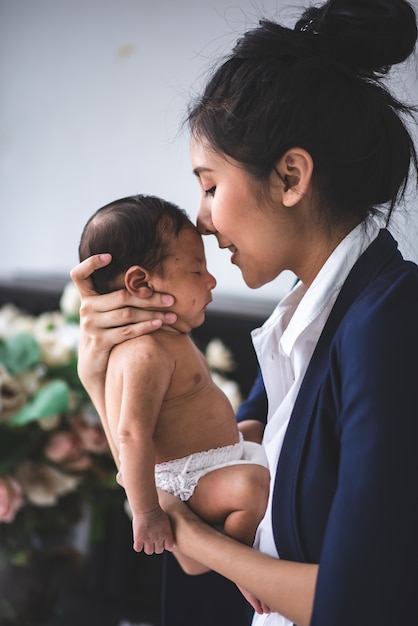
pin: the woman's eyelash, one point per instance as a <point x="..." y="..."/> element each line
<point x="211" y="191"/>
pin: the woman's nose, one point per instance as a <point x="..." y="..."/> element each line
<point x="204" y="221"/>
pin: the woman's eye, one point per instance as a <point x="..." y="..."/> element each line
<point x="211" y="191"/>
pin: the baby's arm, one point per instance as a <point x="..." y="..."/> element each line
<point x="108" y="320"/>
<point x="138" y="378"/>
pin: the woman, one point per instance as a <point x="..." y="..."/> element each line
<point x="299" y="150"/>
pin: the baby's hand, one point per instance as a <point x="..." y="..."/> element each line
<point x="152" y="532"/>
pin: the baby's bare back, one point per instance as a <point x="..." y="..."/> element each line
<point x="195" y="414"/>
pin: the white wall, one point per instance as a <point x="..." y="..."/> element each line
<point x="92" y="95"/>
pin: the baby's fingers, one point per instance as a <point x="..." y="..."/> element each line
<point x="156" y="547"/>
<point x="169" y="544"/>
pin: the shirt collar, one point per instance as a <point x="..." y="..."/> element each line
<point x="301" y="307"/>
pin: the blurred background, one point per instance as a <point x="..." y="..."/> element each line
<point x="92" y="99"/>
<point x="93" y="94"/>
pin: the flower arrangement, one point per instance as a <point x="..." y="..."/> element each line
<point x="55" y="463"/>
<point x="54" y="457"/>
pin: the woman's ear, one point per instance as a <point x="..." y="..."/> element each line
<point x="295" y="169"/>
<point x="136" y="278"/>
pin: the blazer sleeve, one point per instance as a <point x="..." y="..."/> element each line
<point x="369" y="559"/>
<point x="254" y="407"/>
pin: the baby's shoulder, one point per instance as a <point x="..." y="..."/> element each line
<point x="148" y="346"/>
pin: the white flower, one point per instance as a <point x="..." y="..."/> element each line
<point x="44" y="484"/>
<point x="230" y="389"/>
<point x="49" y="423"/>
<point x="54" y="350"/>
<point x="14" y="321"/>
<point x="219" y="356"/>
<point x="31" y="379"/>
<point x="57" y="339"/>
<point x="12" y="394"/>
<point x="70" y="301"/>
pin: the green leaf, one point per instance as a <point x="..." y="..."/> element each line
<point x="67" y="372"/>
<point x="19" y="353"/>
<point x="51" y="399"/>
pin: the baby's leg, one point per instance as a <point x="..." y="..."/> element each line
<point x="235" y="496"/>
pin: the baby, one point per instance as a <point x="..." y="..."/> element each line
<point x="168" y="425"/>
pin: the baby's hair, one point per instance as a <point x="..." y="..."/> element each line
<point x="319" y="87"/>
<point x="135" y="230"/>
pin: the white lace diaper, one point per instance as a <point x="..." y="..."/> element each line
<point x="180" y="476"/>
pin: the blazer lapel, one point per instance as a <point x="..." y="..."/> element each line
<point x="285" y="524"/>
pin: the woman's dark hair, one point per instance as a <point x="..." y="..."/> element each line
<point x="319" y="87"/>
<point x="136" y="230"/>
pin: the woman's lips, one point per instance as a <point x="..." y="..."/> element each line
<point x="234" y="253"/>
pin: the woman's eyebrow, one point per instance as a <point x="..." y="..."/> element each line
<point x="200" y="170"/>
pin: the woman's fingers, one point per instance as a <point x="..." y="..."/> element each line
<point x="80" y="274"/>
<point x="115" y="301"/>
<point x="126" y="304"/>
<point x="151" y="300"/>
<point x="105" y="339"/>
<point x="107" y="320"/>
<point x="97" y="312"/>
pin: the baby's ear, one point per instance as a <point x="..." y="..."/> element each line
<point x="136" y="278"/>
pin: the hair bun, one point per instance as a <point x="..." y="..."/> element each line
<point x="367" y="35"/>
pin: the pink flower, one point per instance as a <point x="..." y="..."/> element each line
<point x="11" y="499"/>
<point x="91" y="436"/>
<point x="66" y="449"/>
<point x="78" y="463"/>
<point x="71" y="449"/>
<point x="62" y="446"/>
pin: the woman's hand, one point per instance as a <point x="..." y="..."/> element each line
<point x="268" y="583"/>
<point x="175" y="508"/>
<point x="110" y="319"/>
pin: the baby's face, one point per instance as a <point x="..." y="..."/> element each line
<point x="186" y="277"/>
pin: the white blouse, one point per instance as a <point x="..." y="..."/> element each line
<point x="284" y="346"/>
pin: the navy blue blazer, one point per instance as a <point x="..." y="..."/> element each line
<point x="346" y="489"/>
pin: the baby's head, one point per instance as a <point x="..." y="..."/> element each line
<point x="135" y="230"/>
